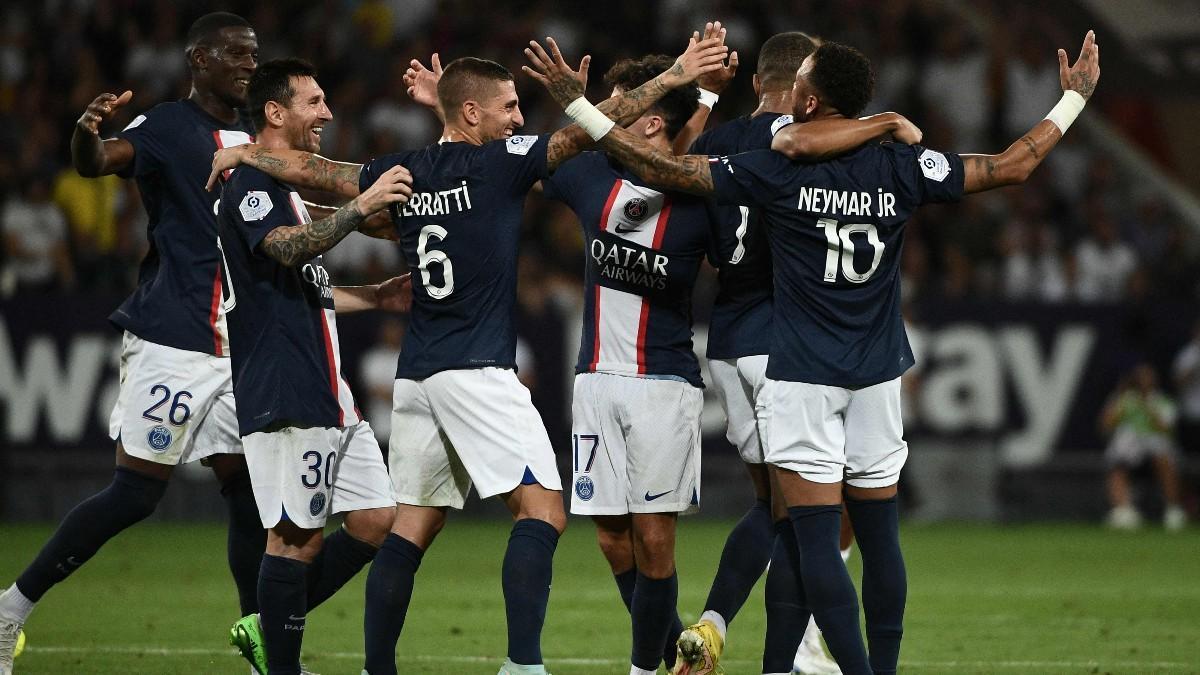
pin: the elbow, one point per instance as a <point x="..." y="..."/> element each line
<point x="792" y="148"/>
<point x="86" y="170"/>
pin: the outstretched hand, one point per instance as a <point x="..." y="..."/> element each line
<point x="102" y="108"/>
<point x="701" y="56"/>
<point x="564" y="84"/>
<point x="225" y="159"/>
<point x="422" y="82"/>
<point x="395" y="294"/>
<point x="717" y="79"/>
<point x="1082" y="76"/>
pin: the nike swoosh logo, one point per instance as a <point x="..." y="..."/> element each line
<point x="626" y="230"/>
<point x="295" y="618"/>
<point x="650" y="497"/>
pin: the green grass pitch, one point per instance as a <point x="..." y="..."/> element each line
<point x="1017" y="599"/>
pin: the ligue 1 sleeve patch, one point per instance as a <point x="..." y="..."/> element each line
<point x="255" y="205"/>
<point x="520" y="145"/>
<point x="137" y="122"/>
<point x="934" y="165"/>
<point x="779" y="123"/>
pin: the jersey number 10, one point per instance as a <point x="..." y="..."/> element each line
<point x="842" y="246"/>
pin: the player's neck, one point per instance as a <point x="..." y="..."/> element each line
<point x="213" y="105"/>
<point x="778" y="102"/>
<point x="273" y="139"/>
<point x="453" y="133"/>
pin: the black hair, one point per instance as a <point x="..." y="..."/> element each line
<point x="780" y="57"/>
<point x="273" y="82"/>
<point x="463" y="79"/>
<point x="676" y="106"/>
<point x="207" y="26"/>
<point x="843" y="76"/>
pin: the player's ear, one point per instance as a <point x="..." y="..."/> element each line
<point x="757" y="85"/>
<point x="470" y="111"/>
<point x="198" y="59"/>
<point x="274" y="113"/>
<point x="654" y="124"/>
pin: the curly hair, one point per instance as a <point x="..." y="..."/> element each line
<point x="676" y="107"/>
<point x="843" y="76"/>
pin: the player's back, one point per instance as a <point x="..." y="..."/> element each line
<point x="178" y="300"/>
<point x="836" y="231"/>
<point x="459" y="232"/>
<point x="741" y="314"/>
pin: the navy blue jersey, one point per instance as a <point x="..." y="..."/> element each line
<point x="282" y="331"/>
<point x="179" y="297"/>
<point x="459" y="233"/>
<point x="643" y="254"/>
<point x="741" y="314"/>
<point x="836" y="230"/>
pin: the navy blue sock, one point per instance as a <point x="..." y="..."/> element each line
<point x="341" y="557"/>
<point x="653" y="606"/>
<point x="787" y="610"/>
<point x="528" y="566"/>
<point x="246" y="541"/>
<point x="282" y="608"/>
<point x="744" y="559"/>
<point x="884" y="583"/>
<point x="827" y="584"/>
<point x="130" y="498"/>
<point x="625" y="583"/>
<point x="389" y="590"/>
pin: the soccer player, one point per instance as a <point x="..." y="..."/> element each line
<point x="176" y="400"/>
<point x="838" y="347"/>
<point x="309" y="451"/>
<point x="460" y="417"/>
<point x="738" y="341"/>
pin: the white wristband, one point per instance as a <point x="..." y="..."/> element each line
<point x="708" y="99"/>
<point x="1066" y="110"/>
<point x="589" y="118"/>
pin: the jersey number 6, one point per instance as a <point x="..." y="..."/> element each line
<point x="842" y="246"/>
<point x="425" y="255"/>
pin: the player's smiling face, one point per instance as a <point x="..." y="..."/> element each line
<point x="230" y="62"/>
<point x="500" y="115"/>
<point x="804" y="94"/>
<point x="306" y="115"/>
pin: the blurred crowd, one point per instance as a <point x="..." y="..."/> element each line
<point x="1080" y="231"/>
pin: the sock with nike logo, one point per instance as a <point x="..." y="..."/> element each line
<point x="282" y="605"/>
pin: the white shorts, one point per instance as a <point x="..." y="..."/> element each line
<point x="459" y="427"/>
<point x="738" y="383"/>
<point x="829" y="434"/>
<point x="1130" y="448"/>
<point x="174" y="406"/>
<point x="636" y="445"/>
<point x="304" y="474"/>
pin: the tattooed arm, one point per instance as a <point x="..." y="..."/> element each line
<point x="294" y="245"/>
<point x="305" y="169"/>
<point x="686" y="173"/>
<point x="566" y="85"/>
<point x="1014" y="165"/>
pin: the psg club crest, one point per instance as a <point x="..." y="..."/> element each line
<point x="584" y="488"/>
<point x="636" y="209"/>
<point x="159" y="439"/>
<point x="317" y="505"/>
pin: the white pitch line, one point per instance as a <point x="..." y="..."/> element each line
<point x="203" y="651"/>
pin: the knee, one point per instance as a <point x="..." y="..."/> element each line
<point x="617" y="548"/>
<point x="548" y="510"/>
<point x="655" y="553"/>
<point x="286" y="540"/>
<point x="370" y="525"/>
<point x="137" y="495"/>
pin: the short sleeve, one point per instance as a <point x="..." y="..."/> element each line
<point x="151" y="135"/>
<point x="563" y="184"/>
<point x="372" y="170"/>
<point x="752" y="178"/>
<point x="519" y="160"/>
<point x="257" y="204"/>
<point x="724" y="220"/>
<point x="930" y="175"/>
<point x="703" y="145"/>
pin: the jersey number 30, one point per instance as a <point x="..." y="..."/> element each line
<point x="842" y="246"/>
<point x="426" y="255"/>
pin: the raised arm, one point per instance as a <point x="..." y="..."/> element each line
<point x="711" y="85"/>
<point x="1014" y="165"/>
<point x="94" y="157"/>
<point x="294" y="245"/>
<point x="700" y="57"/>
<point x="831" y="136"/>
<point x="305" y="169"/>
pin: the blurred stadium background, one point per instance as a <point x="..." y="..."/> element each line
<point x="1027" y="306"/>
